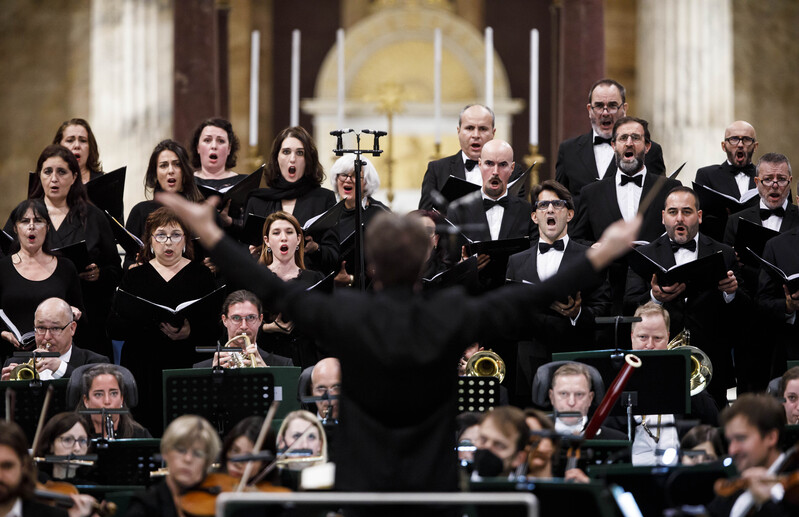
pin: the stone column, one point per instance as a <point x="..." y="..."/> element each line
<point x="685" y="79"/>
<point x="130" y="84"/>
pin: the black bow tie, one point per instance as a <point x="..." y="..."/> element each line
<point x="469" y="164"/>
<point x="488" y="204"/>
<point x="690" y="246"/>
<point x="543" y="247"/>
<point x="638" y="180"/>
<point x="765" y="213"/>
<point x="749" y="170"/>
<point x="598" y="140"/>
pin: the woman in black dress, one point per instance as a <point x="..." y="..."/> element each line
<point x="294" y="177"/>
<point x="284" y="254"/>
<point x="168" y="277"/>
<point x="168" y="171"/>
<point x="31" y="273"/>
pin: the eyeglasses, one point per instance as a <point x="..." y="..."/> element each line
<point x="781" y="182"/>
<point x="735" y="140"/>
<point x="557" y="204"/>
<point x="635" y="137"/>
<point x="54" y="331"/>
<point x="250" y="318"/>
<point x="69" y="441"/>
<point x="599" y="108"/>
<point x="321" y="390"/>
<point x="344" y="177"/>
<point x="162" y="237"/>
<point x="195" y="453"/>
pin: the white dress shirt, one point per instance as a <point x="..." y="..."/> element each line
<point x="742" y="180"/>
<point x="774" y="222"/>
<point x="16" y="510"/>
<point x="494" y="216"/>
<point x="474" y="175"/>
<point x="647" y="451"/>
<point x="47" y="375"/>
<point x="629" y="196"/>
<point x="745" y="501"/>
<point x="548" y="263"/>
<point x="603" y="155"/>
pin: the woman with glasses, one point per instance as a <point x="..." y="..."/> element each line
<point x="168" y="277"/>
<point x="31" y="274"/>
<point x="283" y="253"/>
<point x="64" y="434"/>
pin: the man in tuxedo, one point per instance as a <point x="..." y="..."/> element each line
<point x="708" y="312"/>
<point x="565" y="325"/>
<point x="242" y="314"/>
<point x="54" y="328"/>
<point x="753" y="426"/>
<point x="734" y="177"/>
<point x="326" y="379"/>
<point x="475" y="128"/>
<point x="589" y="157"/>
<point x="619" y="195"/>
<point x="773" y="180"/>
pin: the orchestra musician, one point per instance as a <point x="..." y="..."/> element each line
<point x="396" y="439"/>
<point x="104" y="386"/>
<point x="789" y="391"/>
<point x="301" y="431"/>
<point x="502" y="444"/>
<point x="189" y="447"/>
<point x="326" y="379"/>
<point x="240" y="441"/>
<point x="64" y="434"/>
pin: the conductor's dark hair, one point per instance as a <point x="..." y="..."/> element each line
<point x="233" y="141"/>
<point x="396" y="247"/>
<point x="608" y="82"/>
<point x="12" y="436"/>
<point x="554" y="187"/>
<point x="162" y="217"/>
<point x="39" y="210"/>
<point x="687" y="190"/>
<point x="313" y="169"/>
<point x="77" y="200"/>
<point x="189" y="189"/>
<point x="761" y="411"/>
<point x="241" y="296"/>
<point x="627" y="120"/>
<point x="93" y="160"/>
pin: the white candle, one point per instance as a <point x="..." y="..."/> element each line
<point x="489" y="37"/>
<point x="294" y="119"/>
<point x="255" y="53"/>
<point x="534" y="87"/>
<point x="437" y="87"/>
<point x="341" y="96"/>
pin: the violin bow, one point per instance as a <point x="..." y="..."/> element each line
<point x="45" y="406"/>
<point x="270" y="415"/>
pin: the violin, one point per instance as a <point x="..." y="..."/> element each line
<point x="58" y="493"/>
<point x="200" y="501"/>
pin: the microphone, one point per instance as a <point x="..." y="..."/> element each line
<point x="340" y="132"/>
<point x="375" y="132"/>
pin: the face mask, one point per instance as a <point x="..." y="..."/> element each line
<point x="487" y="464"/>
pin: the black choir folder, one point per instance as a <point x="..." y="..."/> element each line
<point x="236" y="194"/>
<point x="705" y="271"/>
<point x="146" y="310"/>
<point x="792" y="280"/>
<point x="76" y="252"/>
<point x="318" y="225"/>
<point x="715" y="202"/>
<point x="129" y="242"/>
<point x="462" y="273"/>
<point x="253" y="231"/>
<point x="455" y="188"/>
<point x="751" y="239"/>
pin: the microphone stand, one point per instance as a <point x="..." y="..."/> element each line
<point x="360" y="276"/>
<point x="617" y="359"/>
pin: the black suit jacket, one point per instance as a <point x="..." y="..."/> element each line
<point x="269" y="358"/>
<point x="721" y="178"/>
<point x="599" y="208"/>
<point x="37" y="509"/>
<point x="439" y="171"/>
<point x="713" y="323"/>
<point x="79" y="357"/>
<point x="576" y="165"/>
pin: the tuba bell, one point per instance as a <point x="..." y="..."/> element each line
<point x="24" y="372"/>
<point x="701" y="367"/>
<point x="486" y="363"/>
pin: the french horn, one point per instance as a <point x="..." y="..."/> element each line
<point x="701" y="367"/>
<point x="486" y="363"/>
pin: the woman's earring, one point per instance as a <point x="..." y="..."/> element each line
<point x="268" y="249"/>
<point x="298" y="247"/>
<point x="152" y="251"/>
<point x="184" y="249"/>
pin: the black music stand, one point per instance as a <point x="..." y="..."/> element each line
<point x="242" y="392"/>
<point x="29" y="400"/>
<point x="556" y="497"/>
<point x="478" y="394"/>
<point x="126" y="462"/>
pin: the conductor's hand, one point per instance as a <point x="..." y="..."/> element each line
<point x="174" y="333"/>
<point x="730" y="284"/>
<point x="310" y="245"/>
<point x="6" y="375"/>
<point x="8" y="336"/>
<point x="571" y="308"/>
<point x="666" y="293"/>
<point x="615" y="241"/>
<point x="199" y="217"/>
<point x="791" y="303"/>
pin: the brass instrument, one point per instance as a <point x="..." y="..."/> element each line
<point x="24" y="372"/>
<point x="236" y="358"/>
<point x="701" y="367"/>
<point x="486" y="363"/>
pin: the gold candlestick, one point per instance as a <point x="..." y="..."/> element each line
<point x="534" y="158"/>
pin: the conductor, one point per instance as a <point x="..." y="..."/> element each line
<point x="400" y="411"/>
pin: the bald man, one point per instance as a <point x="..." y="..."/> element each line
<point x="326" y="379"/>
<point x="734" y="177"/>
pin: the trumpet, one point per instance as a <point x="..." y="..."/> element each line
<point x="236" y="358"/>
<point x="27" y="371"/>
<point x="701" y="367"/>
<point x="486" y="363"/>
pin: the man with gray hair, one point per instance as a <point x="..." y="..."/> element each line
<point x="54" y="327"/>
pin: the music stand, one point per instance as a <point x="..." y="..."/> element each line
<point x="556" y="497"/>
<point x="477" y="394"/>
<point x="126" y="462"/>
<point x="242" y="392"/>
<point x="29" y="399"/>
